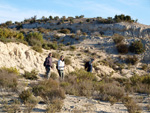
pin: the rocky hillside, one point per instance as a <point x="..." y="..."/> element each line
<point x="123" y="28"/>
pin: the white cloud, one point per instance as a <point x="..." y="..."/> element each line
<point x="98" y="9"/>
<point x="10" y="13"/>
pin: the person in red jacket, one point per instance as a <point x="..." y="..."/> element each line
<point x="48" y="65"/>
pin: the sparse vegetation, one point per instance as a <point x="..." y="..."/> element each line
<point x="132" y="60"/>
<point x="31" y="75"/>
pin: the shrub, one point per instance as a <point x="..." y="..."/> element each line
<point x="122" y="48"/>
<point x="13" y="107"/>
<point x="20" y="36"/>
<point x="53" y="75"/>
<point x="118" y="38"/>
<point x="51" y="93"/>
<point x="140" y="84"/>
<point x="25" y="95"/>
<point x="65" y="31"/>
<point x="11" y="70"/>
<point x="72" y="36"/>
<point x="31" y="75"/>
<point x="30" y="103"/>
<point x="55" y="106"/>
<point x="48" y="89"/>
<point x="37" y="49"/>
<point x="50" y="45"/>
<point x="113" y="93"/>
<point x="137" y="47"/>
<point x="55" y="55"/>
<point x="131" y="105"/>
<point x="76" y="83"/>
<point x="145" y="67"/>
<point x="84" y="33"/>
<point x="35" y="39"/>
<point x="132" y="60"/>
<point x="72" y="48"/>
<point x="8" y="80"/>
<point x="56" y="36"/>
<point x="67" y="61"/>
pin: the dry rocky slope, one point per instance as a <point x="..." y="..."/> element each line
<point x="25" y="59"/>
<point x="123" y="28"/>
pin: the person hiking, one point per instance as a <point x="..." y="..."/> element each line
<point x="88" y="65"/>
<point x="48" y="65"/>
<point x="61" y="66"/>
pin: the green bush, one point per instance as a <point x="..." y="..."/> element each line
<point x="37" y="49"/>
<point x="35" y="39"/>
<point x="122" y="48"/>
<point x="118" y="38"/>
<point x="11" y="70"/>
<point x="20" y="36"/>
<point x="65" y="31"/>
<point x="31" y="75"/>
<point x="10" y="34"/>
<point x="50" y="45"/>
<point x="137" y="47"/>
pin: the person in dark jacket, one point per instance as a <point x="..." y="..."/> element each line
<point x="48" y="65"/>
<point x="90" y="67"/>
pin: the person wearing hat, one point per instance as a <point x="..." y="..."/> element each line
<point x="61" y="66"/>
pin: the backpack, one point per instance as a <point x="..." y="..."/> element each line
<point x="44" y="64"/>
<point x="86" y="65"/>
<point x="57" y="65"/>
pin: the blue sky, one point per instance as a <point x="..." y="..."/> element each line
<point x="18" y="10"/>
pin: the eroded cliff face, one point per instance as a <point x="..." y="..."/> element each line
<point x="125" y="29"/>
<point x="25" y="59"/>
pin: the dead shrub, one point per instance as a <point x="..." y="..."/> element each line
<point x="131" y="105"/>
<point x="8" y="80"/>
<point x="118" y="38"/>
<point x="110" y="92"/>
<point x="51" y="93"/>
<point x="67" y="61"/>
<point x="76" y="83"/>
